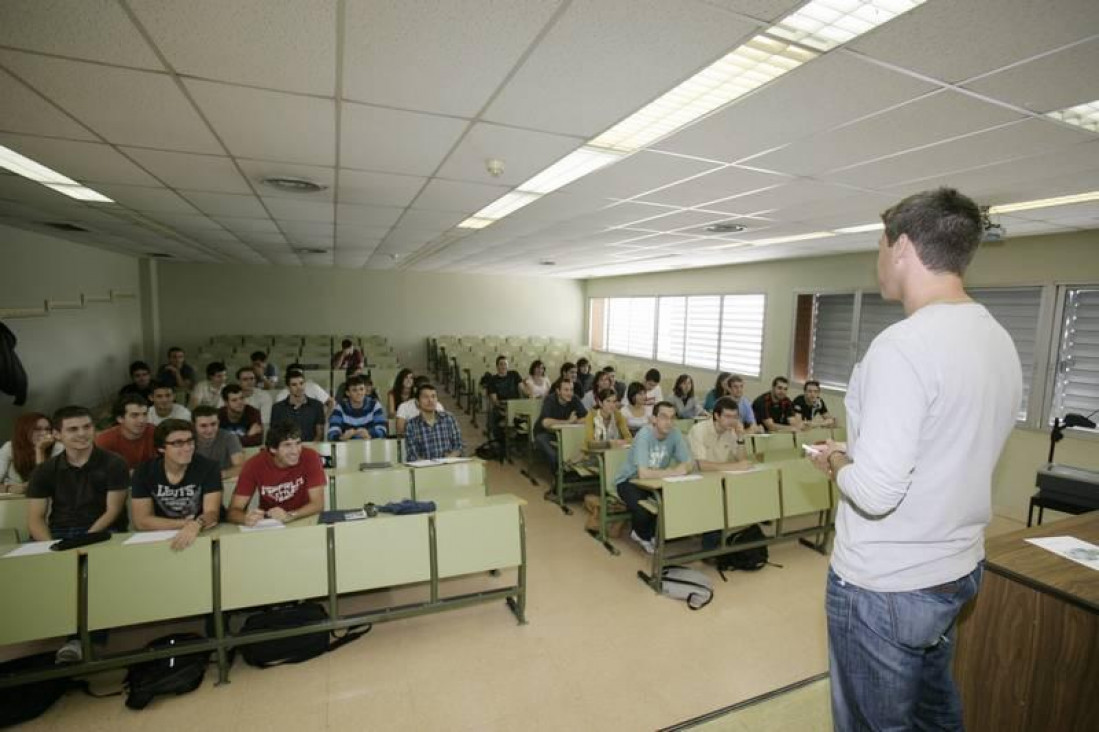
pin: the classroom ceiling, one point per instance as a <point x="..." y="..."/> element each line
<point x="178" y="110"/>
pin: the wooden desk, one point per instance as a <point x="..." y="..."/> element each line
<point x="1028" y="647"/>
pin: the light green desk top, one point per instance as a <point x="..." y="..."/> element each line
<point x="478" y="501"/>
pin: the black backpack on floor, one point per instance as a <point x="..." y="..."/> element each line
<point x="294" y="649"/>
<point x="28" y="701"/>
<point x="748" y="560"/>
<point x="174" y="675"/>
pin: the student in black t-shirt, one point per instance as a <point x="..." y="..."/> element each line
<point x="812" y="409"/>
<point x="501" y="386"/>
<point x="560" y="407"/>
<point x="141" y="381"/>
<point x="179" y="489"/>
<point x="774" y="410"/>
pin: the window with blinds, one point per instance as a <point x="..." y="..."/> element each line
<point x="1018" y="310"/>
<point x="830" y="357"/>
<point x="708" y="331"/>
<point x="1077" y="382"/>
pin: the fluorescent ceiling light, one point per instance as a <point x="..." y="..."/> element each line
<point x="825" y="24"/>
<point x="1045" y="203"/>
<point x="575" y="165"/>
<point x="506" y="204"/>
<point x="748" y="67"/>
<point x="475" y="223"/>
<point x="861" y="229"/>
<point x="79" y="192"/>
<point x="1082" y="115"/>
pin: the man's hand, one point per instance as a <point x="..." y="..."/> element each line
<point x="820" y="457"/>
<point x="573" y="419"/>
<point x="278" y="514"/>
<point x="253" y="518"/>
<point x="348" y="434"/>
<point x="186" y="536"/>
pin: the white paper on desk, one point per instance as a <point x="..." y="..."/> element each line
<point x="423" y="463"/>
<point x="33" y="547"/>
<point x="150" y="537"/>
<point x="266" y="524"/>
<point x="449" y="460"/>
<point x="749" y="469"/>
<point x="1070" y="547"/>
<point x="682" y="478"/>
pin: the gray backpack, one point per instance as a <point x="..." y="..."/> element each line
<point x="691" y="585"/>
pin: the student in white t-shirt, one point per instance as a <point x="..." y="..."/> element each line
<point x="165" y="407"/>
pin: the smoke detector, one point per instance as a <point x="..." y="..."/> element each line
<point x="290" y="184"/>
<point x="725" y="227"/>
<point x="495" y="167"/>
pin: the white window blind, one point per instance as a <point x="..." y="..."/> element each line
<point x="741" y="346"/>
<point x="1077" y="387"/>
<point x="617" y="336"/>
<point x="703" y="330"/>
<point x="830" y="360"/>
<point x="1017" y="309"/>
<point x="642" y="332"/>
<point x="672" y="329"/>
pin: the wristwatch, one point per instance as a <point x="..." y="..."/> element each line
<point x="200" y="521"/>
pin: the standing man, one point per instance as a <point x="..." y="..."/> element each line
<point x="242" y="420"/>
<point x="304" y="411"/>
<point x="290" y="480"/>
<point x="774" y="410"/>
<point x="178" y="490"/>
<point x="132" y="436"/>
<point x="915" y="478"/>
<point x="500" y="387"/>
<point x="432" y="434"/>
<point x="177" y="371"/>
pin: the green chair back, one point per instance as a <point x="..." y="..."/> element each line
<point x="348" y="456"/>
<point x="752" y="497"/>
<point x="265" y="567"/>
<point x="13" y="515"/>
<point x="692" y="506"/>
<point x="477" y="539"/>
<point x="382" y="552"/>
<point x="455" y="480"/>
<point x="38" y="599"/>
<point x="804" y="488"/>
<point x="353" y="490"/>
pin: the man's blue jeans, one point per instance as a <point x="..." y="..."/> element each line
<point x="890" y="655"/>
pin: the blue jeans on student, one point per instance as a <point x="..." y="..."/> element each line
<point x="546" y="445"/>
<point x="890" y="655"/>
<point x="643" y="522"/>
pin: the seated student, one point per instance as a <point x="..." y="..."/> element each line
<point x="178" y="490"/>
<point x="537" y="384"/>
<point x="719" y="444"/>
<point x="348" y="357"/>
<point x="603" y="380"/>
<point x="313" y="390"/>
<point x="165" y="406"/>
<point x="431" y="434"/>
<point x="653" y="451"/>
<point x="500" y="387"/>
<point x="721" y="388"/>
<point x="32" y="443"/>
<point x="569" y="371"/>
<point x="401" y="391"/>
<point x="177" y="371"/>
<point x="242" y="420"/>
<point x="141" y="381"/>
<point x="79" y="491"/>
<point x="605" y="426"/>
<point x="359" y="417"/>
<point x="560" y="407"/>
<point x="297" y="407"/>
<point x="214" y="443"/>
<point x="289" y="477"/>
<point x="774" y="410"/>
<point x="585" y="379"/>
<point x="619" y="386"/>
<point x="267" y="374"/>
<point x="132" y="435"/>
<point x="254" y="397"/>
<point x="209" y="391"/>
<point x="812" y="409"/>
<point x="684" y="400"/>
<point x="653" y="392"/>
<point x="408" y="409"/>
<point x="735" y="389"/>
<point x="637" y="413"/>
<point x="341" y="390"/>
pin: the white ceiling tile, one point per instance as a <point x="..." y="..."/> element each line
<point x="25" y="111"/>
<point x="296" y="230"/>
<point x="86" y="162"/>
<point x="351" y="215"/>
<point x="828" y="91"/>
<point x="767" y="10"/>
<point x="925" y="121"/>
<point x="348" y="244"/>
<point x="637" y="174"/>
<point x="719" y="184"/>
<point x="187" y="222"/>
<point x="1020" y="180"/>
<point x="404" y="54"/>
<point x="604" y="59"/>
<point x="1029" y="137"/>
<point x="449" y="195"/>
<point x="188" y="171"/>
<point x="681" y="220"/>
<point x="277" y="44"/>
<point x="394" y="141"/>
<point x="268" y="125"/>
<point x="955" y="41"/>
<point x="301" y="210"/>
<point x="257" y="170"/>
<point x="524" y="154"/>
<point x="126" y="107"/>
<point x="227" y="204"/>
<point x="1052" y="82"/>
<point x="247" y="226"/>
<point x="96" y="30"/>
<point x="430" y="220"/>
<point x="351" y="259"/>
<point x="141" y="198"/>
<point x="267" y="239"/>
<point x="378" y="189"/>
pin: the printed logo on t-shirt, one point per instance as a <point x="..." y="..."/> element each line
<point x="178" y="501"/>
<point x="283" y="491"/>
<point x="658" y="454"/>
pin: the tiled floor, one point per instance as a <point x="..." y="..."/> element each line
<point x="601" y="651"/>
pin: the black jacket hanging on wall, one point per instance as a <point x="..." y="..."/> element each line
<point x="13" y="379"/>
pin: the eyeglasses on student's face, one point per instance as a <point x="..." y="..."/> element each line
<point x="181" y="443"/>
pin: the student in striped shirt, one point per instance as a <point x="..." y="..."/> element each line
<point x="359" y="416"/>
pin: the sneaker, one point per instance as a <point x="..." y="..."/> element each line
<point x="646" y="544"/>
<point x="71" y="652"/>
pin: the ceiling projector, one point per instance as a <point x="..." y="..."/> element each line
<point x="993" y="233"/>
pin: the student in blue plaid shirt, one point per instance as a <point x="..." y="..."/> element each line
<point x="433" y="434"/>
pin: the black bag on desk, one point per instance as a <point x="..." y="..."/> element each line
<point x="295" y="649"/>
<point x="174" y="675"/>
<point x="28" y="701"/>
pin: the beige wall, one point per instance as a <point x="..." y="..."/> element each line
<point x="200" y="300"/>
<point x="71" y="356"/>
<point x="1068" y="258"/>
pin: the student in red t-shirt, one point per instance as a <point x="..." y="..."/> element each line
<point x="290" y="480"/>
<point x="132" y="437"/>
